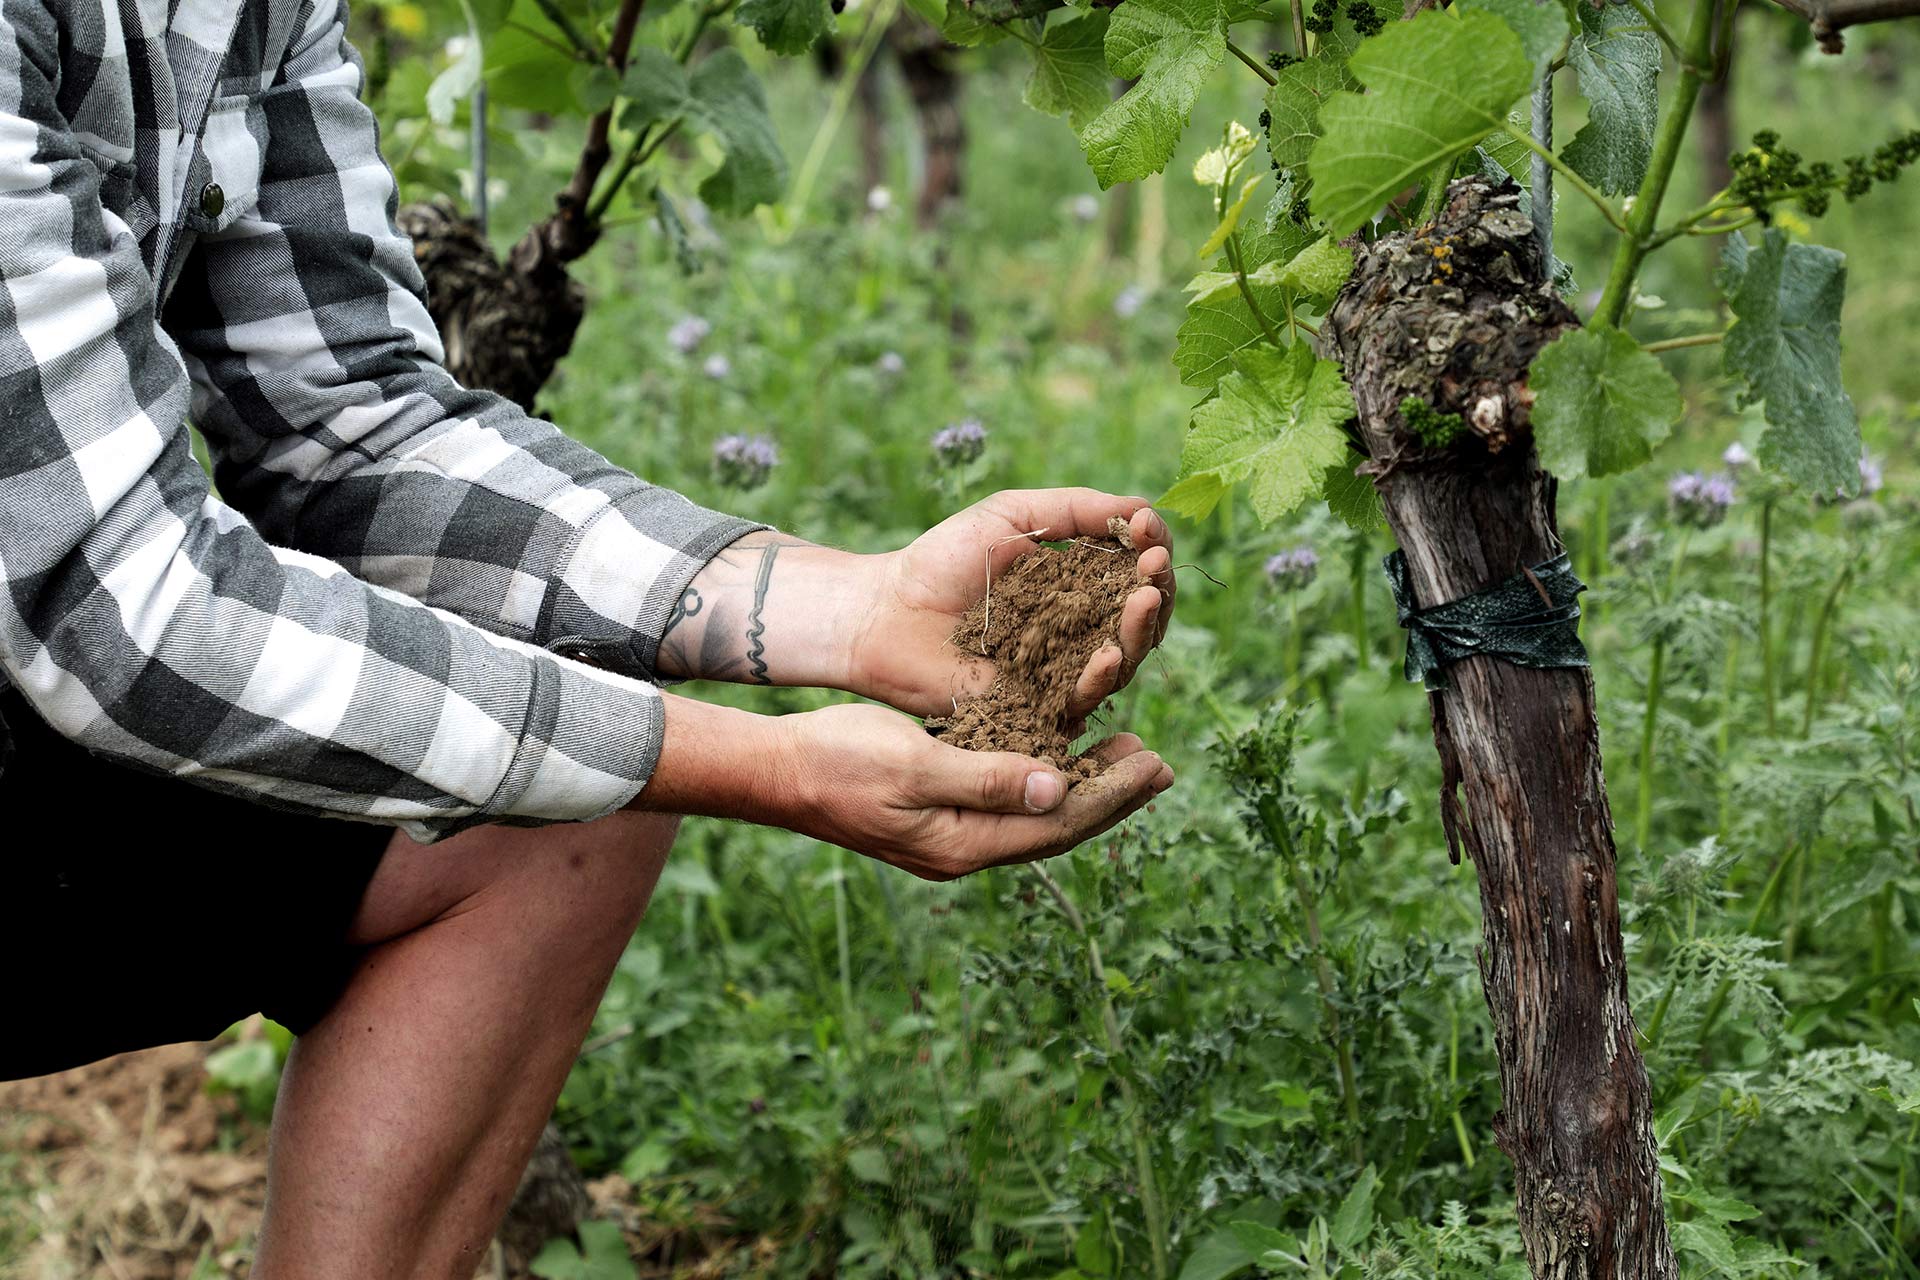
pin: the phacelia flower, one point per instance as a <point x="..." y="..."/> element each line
<point x="1127" y="303"/>
<point x="1736" y="458"/>
<point x="891" y="364"/>
<point x="1293" y="569"/>
<point x="1870" y="477"/>
<point x="717" y="367"/>
<point x="1698" y="499"/>
<point x="879" y="200"/>
<point x="1634" y="547"/>
<point x="687" y="334"/>
<point x="960" y="443"/>
<point x="1084" y="207"/>
<point x="743" y="461"/>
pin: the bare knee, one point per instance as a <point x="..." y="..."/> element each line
<point x="587" y="877"/>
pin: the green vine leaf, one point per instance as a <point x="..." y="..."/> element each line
<point x="523" y="68"/>
<point x="1170" y="47"/>
<point x="1618" y="62"/>
<point x="785" y="26"/>
<point x="1512" y="155"/>
<point x="729" y="100"/>
<point x="1275" y="424"/>
<point x="1069" y="74"/>
<point x="655" y="88"/>
<point x="1437" y="85"/>
<point x="1542" y="28"/>
<point x="1219" y="325"/>
<point x="455" y="85"/>
<point x="1601" y="403"/>
<point x="1278" y="238"/>
<point x="1314" y="275"/>
<point x="1230" y="218"/>
<point x="1784" y="345"/>
<point x="723" y="98"/>
<point x="1294" y="102"/>
<point x="1352" y="497"/>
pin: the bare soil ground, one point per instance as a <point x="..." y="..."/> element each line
<point x="128" y="1169"/>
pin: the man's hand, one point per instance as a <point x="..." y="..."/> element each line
<point x="771" y="609"/>
<point x="902" y="657"/>
<point x="872" y="781"/>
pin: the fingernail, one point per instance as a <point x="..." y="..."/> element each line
<point x="1157" y="527"/>
<point x="1043" y="791"/>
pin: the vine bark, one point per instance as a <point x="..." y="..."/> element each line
<point x="1453" y="313"/>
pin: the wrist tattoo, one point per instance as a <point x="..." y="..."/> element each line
<point x="687" y="606"/>
<point x="756" y="628"/>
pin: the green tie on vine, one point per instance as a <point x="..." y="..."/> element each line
<point x="1365" y="123"/>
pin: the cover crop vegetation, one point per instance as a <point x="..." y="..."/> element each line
<point x="1246" y="1036"/>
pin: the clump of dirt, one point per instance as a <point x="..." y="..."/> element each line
<point x="1040" y="623"/>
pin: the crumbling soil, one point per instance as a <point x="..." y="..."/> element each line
<point x="1040" y="623"/>
<point x="128" y="1169"/>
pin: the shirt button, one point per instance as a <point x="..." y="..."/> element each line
<point x="212" y="200"/>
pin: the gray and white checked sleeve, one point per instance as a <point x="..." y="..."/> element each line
<point x="318" y="387"/>
<point x="146" y="619"/>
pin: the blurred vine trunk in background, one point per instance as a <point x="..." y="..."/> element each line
<point x="505" y="325"/>
<point x="927" y="68"/>
<point x="1519" y="746"/>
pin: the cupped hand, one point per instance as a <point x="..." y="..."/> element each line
<point x="872" y="781"/>
<point x="902" y="656"/>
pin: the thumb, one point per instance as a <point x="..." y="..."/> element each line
<point x="994" y="782"/>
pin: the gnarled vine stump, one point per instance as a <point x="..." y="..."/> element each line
<point x="1453" y="313"/>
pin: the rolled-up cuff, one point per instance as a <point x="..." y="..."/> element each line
<point x="625" y="573"/>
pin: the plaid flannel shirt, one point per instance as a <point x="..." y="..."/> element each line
<point x="195" y="221"/>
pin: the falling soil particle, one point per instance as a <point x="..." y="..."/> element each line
<point x="1040" y="623"/>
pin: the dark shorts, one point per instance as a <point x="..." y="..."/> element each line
<point x="138" y="910"/>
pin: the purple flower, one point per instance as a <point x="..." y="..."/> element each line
<point x="1736" y="458"/>
<point x="891" y="364"/>
<point x="1127" y="303"/>
<point x="1698" y="499"/>
<point x="688" y="333"/>
<point x="744" y="462"/>
<point x="717" y="367"/>
<point x="1293" y="569"/>
<point x="960" y="443"/>
<point x="1870" y="477"/>
<point x="1634" y="547"/>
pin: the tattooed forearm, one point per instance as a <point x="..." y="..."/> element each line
<point x="722" y="627"/>
<point x="756" y="626"/>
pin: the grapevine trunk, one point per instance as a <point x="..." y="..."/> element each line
<point x="1453" y="313"/>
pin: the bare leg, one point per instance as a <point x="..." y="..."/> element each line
<point x="406" y="1116"/>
